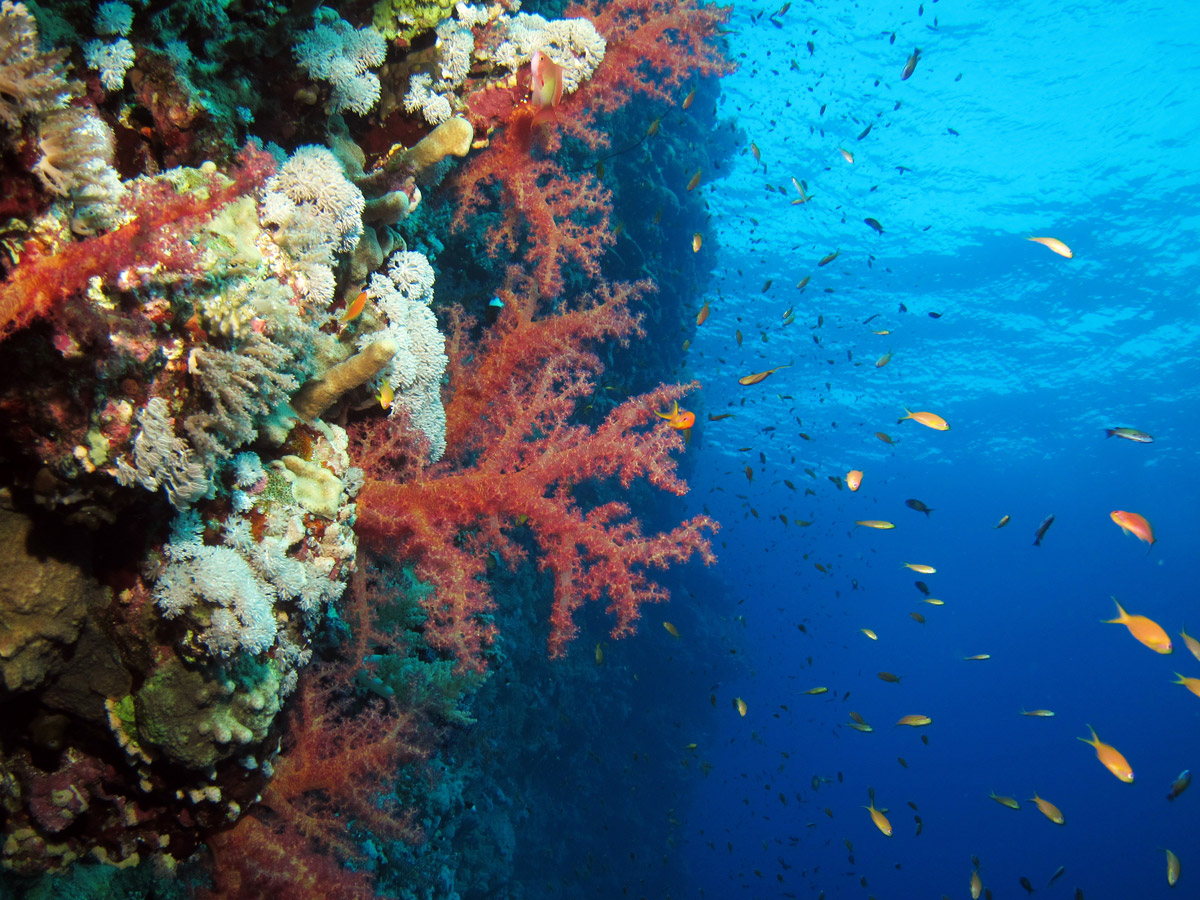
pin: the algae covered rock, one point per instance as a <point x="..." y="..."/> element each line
<point x="44" y="600"/>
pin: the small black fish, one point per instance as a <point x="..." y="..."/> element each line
<point x="1042" y="529"/>
<point x="922" y="587"/>
<point x="811" y="48"/>
<point x="935" y="315"/>
<point x="952" y="131"/>
<point x="903" y="308"/>
<point x="866" y="131"/>
<point x="892" y="39"/>
<point x="918" y="506"/>
<point x="874" y="223"/>
<point x="1025" y="884"/>
<point x="869" y="318"/>
<point x="911" y="64"/>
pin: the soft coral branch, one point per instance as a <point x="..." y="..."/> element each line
<point x="654" y="47"/>
<point x="157" y="234"/>
<point x="550" y="218"/>
<point x="523" y="471"/>
<point x="334" y="785"/>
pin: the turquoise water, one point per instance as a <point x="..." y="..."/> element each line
<point x="1075" y="121"/>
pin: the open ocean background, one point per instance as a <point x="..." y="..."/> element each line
<point x="1079" y="121"/>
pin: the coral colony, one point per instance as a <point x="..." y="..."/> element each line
<point x="264" y="458"/>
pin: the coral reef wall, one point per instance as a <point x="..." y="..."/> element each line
<point x="329" y="391"/>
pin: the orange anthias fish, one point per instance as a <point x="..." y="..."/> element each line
<point x="1054" y="244"/>
<point x="702" y="316"/>
<point x="694" y="180"/>
<point x="877" y="816"/>
<point x="854" y="479"/>
<point x="1132" y="523"/>
<point x="546" y="82"/>
<point x="1110" y="757"/>
<point x="354" y="310"/>
<point x="928" y="419"/>
<point x="747" y="380"/>
<point x="386" y="395"/>
<point x="1147" y="631"/>
<point x="679" y="419"/>
<point x="1048" y="809"/>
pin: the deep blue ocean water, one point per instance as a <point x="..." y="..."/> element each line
<point x="1079" y="121"/>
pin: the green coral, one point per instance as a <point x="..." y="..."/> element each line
<point x="406" y="19"/>
<point x="416" y="677"/>
<point x="197" y="720"/>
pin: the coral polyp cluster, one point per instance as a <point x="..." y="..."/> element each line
<point x="277" y="284"/>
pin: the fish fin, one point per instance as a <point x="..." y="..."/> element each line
<point x="1108" y="432"/>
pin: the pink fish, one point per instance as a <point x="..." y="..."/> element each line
<point x="546" y="82"/>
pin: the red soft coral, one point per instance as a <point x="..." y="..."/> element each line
<point x="158" y="233"/>
<point x="334" y="785"/>
<point x="551" y="219"/>
<point x="550" y="216"/>
<point x="526" y="458"/>
<point x="654" y="46"/>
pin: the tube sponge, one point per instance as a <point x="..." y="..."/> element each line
<point x="452" y="137"/>
<point x="316" y="396"/>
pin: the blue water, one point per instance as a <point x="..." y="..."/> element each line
<point x="1078" y="121"/>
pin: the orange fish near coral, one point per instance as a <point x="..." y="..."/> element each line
<point x="546" y="82"/>
<point x="1132" y="523"/>
<point x="354" y="310"/>
<point x="386" y="395"/>
<point x="702" y="316"/>
<point x="854" y="479"/>
<point x="679" y="419"/>
<point x="747" y="380"/>
<point x="695" y="180"/>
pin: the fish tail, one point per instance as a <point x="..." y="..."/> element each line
<point x="927" y="511"/>
<point x="1121" y="614"/>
